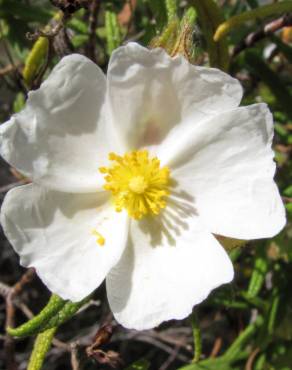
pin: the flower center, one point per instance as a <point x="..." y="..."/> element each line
<point x="137" y="183"/>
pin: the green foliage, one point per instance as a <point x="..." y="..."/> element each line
<point x="210" y="16"/>
<point x="139" y="365"/>
<point x="255" y="14"/>
<point x="33" y="326"/>
<point x="40" y="349"/>
<point x="171" y="8"/>
<point x="66" y="312"/>
<point x="35" y="60"/>
<point x="257" y="279"/>
<point x="113" y="33"/>
<point x="277" y="87"/>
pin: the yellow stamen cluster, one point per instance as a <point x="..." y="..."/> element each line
<point x="137" y="183"/>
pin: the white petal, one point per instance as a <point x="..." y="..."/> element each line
<point x="56" y="139"/>
<point x="149" y="92"/>
<point x="52" y="231"/>
<point x="164" y="271"/>
<point x="227" y="165"/>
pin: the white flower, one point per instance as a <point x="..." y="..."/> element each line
<point x="82" y="218"/>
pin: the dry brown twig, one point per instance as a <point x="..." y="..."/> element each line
<point x="9" y="294"/>
<point x="75" y="364"/>
<point x="93" y="15"/>
<point x="251" y="358"/>
<point x="170" y="359"/>
<point x="126" y="16"/>
<point x="268" y="29"/>
<point x="216" y="347"/>
<point x="8" y="69"/>
<point x="101" y="338"/>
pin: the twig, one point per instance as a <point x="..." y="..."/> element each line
<point x="62" y="44"/>
<point x="8" y="69"/>
<point x="287" y="199"/>
<point x="9" y="345"/>
<point x="251" y="359"/>
<point x="10" y="313"/>
<point x="24" y="309"/>
<point x="53" y="30"/>
<point x="92" y="302"/>
<point x="25" y="279"/>
<point x="126" y="16"/>
<point x="5" y="289"/>
<point x="268" y="29"/>
<point x="93" y="15"/>
<point x="146" y="339"/>
<point x="74" y="356"/>
<point x="216" y="348"/>
<point x="62" y="345"/>
<point x="170" y="359"/>
<point x="171" y="339"/>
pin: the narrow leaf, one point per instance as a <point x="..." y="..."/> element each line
<point x="210" y="17"/>
<point x="252" y="15"/>
<point x="34" y="325"/>
<point x="41" y="346"/>
<point x="65" y="313"/>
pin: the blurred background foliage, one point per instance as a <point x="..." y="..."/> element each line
<point x="245" y="325"/>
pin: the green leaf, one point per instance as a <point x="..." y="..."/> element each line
<point x="65" y="313"/>
<point x="171" y="8"/>
<point x="210" y="16"/>
<point x="243" y="339"/>
<point x="252" y="15"/>
<point x="213" y="364"/>
<point x="35" y="60"/>
<point x="34" y="325"/>
<point x="139" y="365"/>
<point x="196" y="337"/>
<point x="258" y="276"/>
<point x="258" y="67"/>
<point x="113" y="32"/>
<point x="78" y="26"/>
<point x="41" y="346"/>
<point x="252" y="3"/>
<point x="159" y="12"/>
<point x="19" y="102"/>
<point x="26" y="12"/>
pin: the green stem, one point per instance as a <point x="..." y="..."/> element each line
<point x="196" y="337"/>
<point x="112" y="28"/>
<point x="171" y="9"/>
<point x="34" y="325"/>
<point x="273" y="313"/>
<point x="41" y="346"/>
<point x="237" y="346"/>
<point x="258" y="276"/>
<point x="252" y="15"/>
<point x="65" y="313"/>
<point x="260" y="362"/>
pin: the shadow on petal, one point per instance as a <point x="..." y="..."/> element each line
<point x="173" y="220"/>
